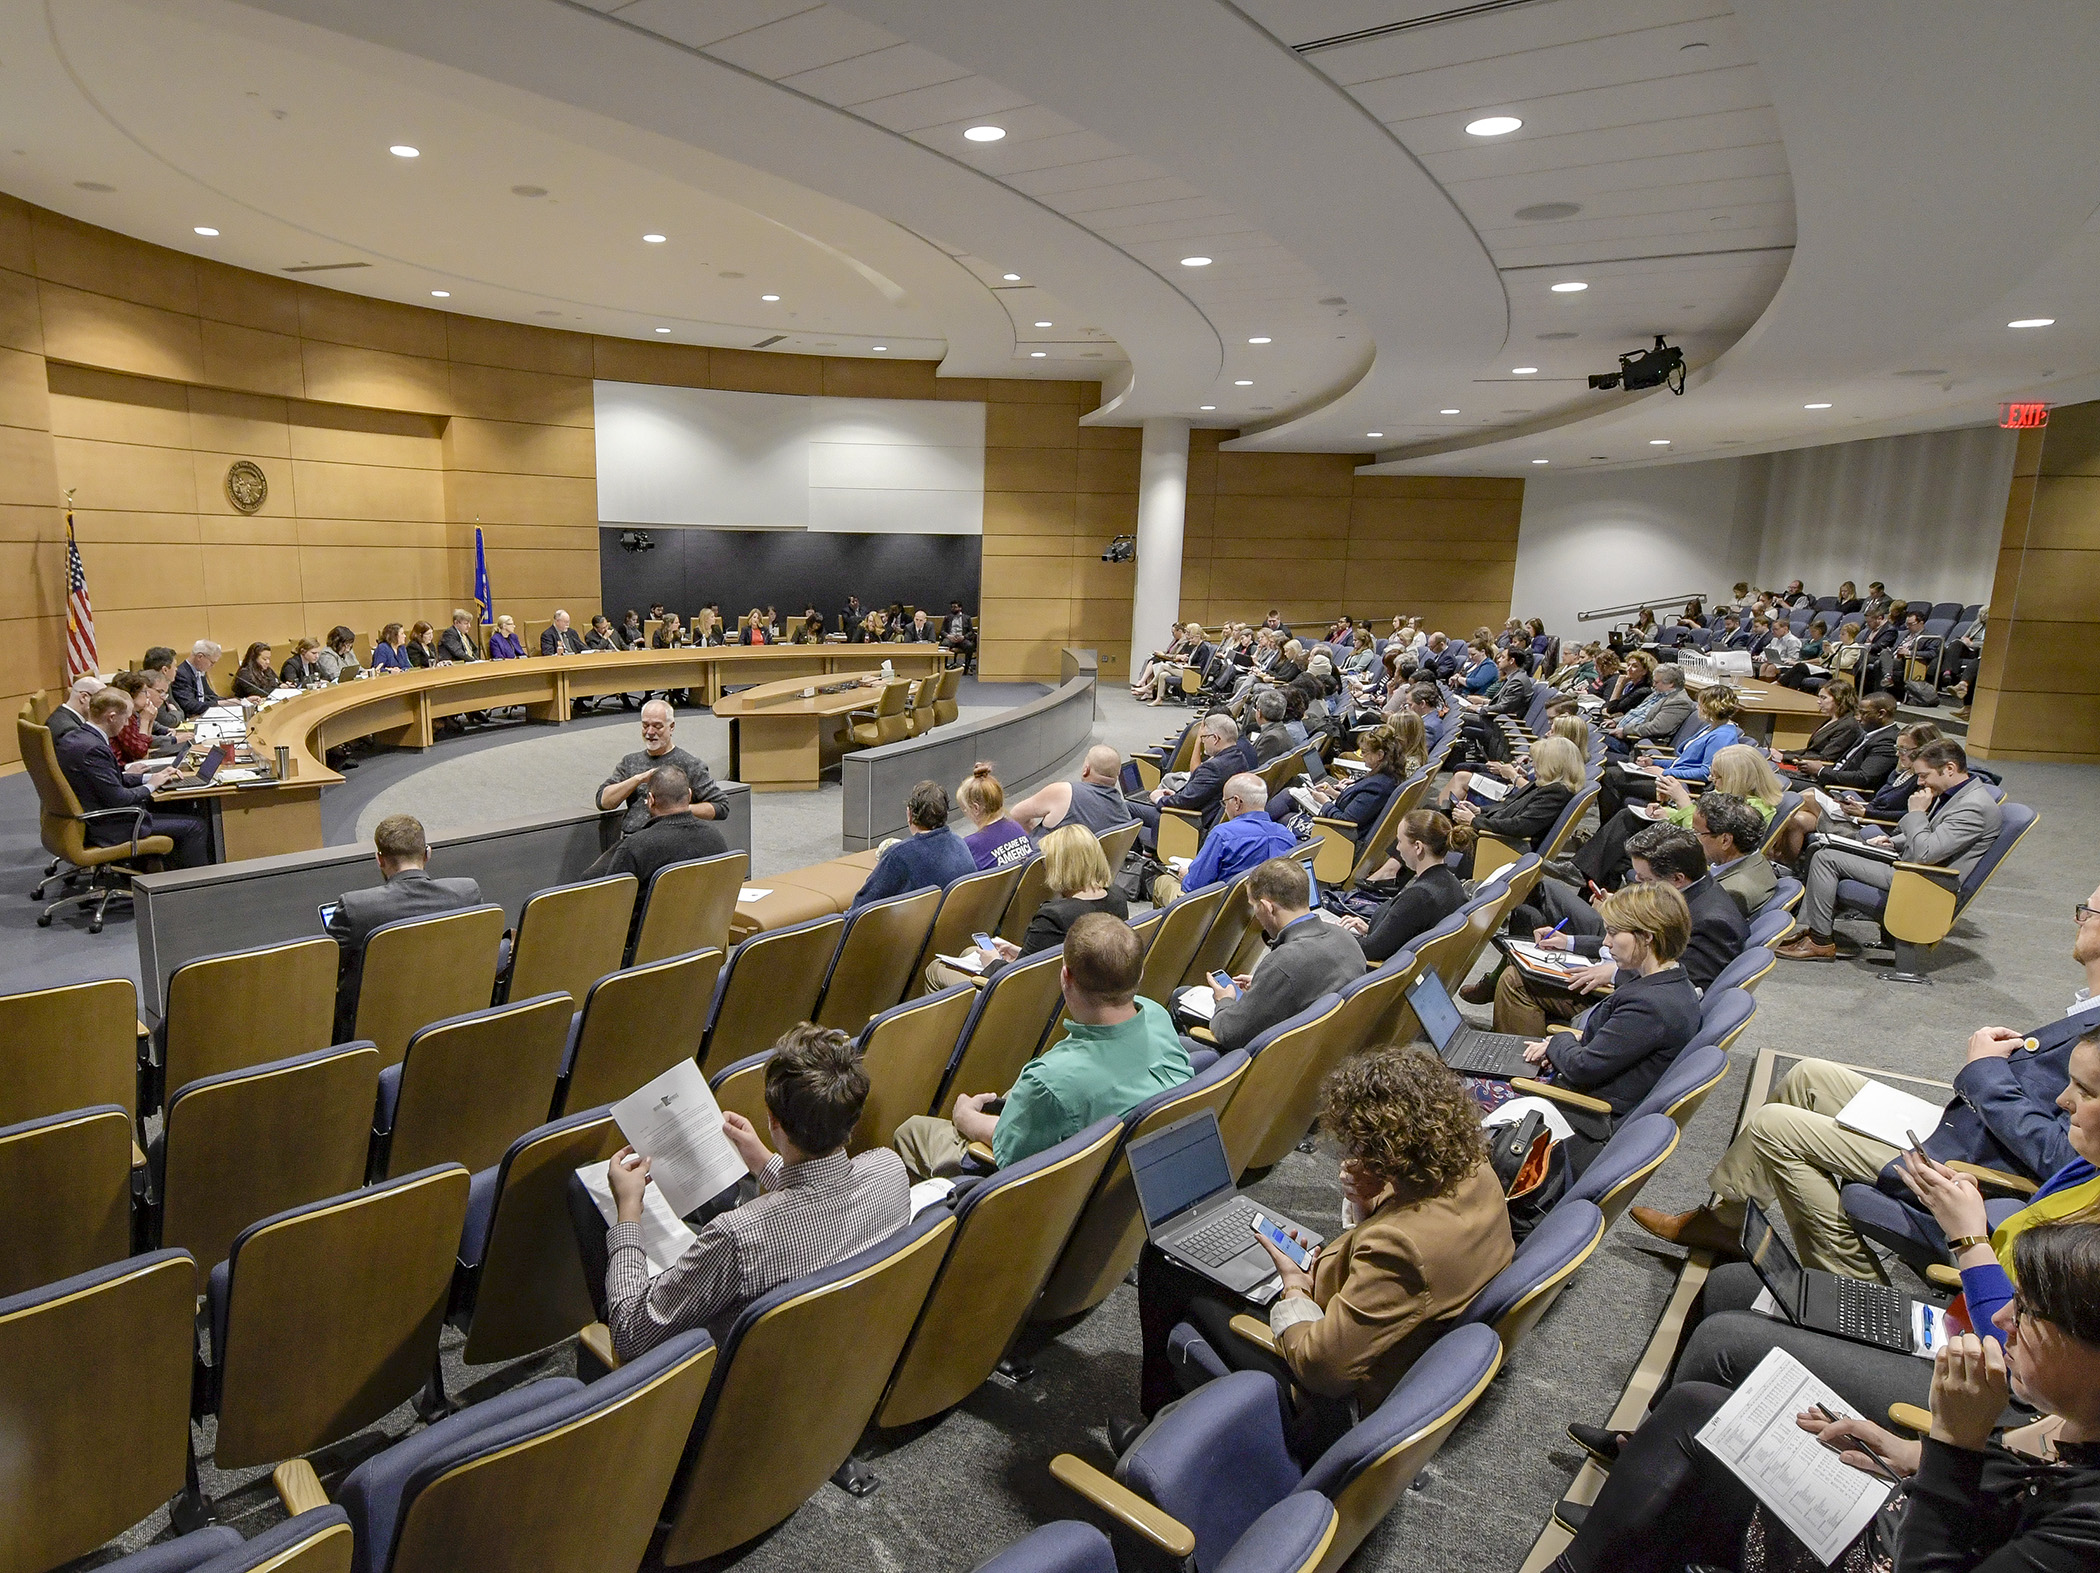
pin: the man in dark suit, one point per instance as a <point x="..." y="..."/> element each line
<point x="956" y="633"/>
<point x="192" y="690"/>
<point x="1868" y="762"/>
<point x="409" y="892"/>
<point x="558" y="638"/>
<point x="73" y="711"/>
<point x="672" y="835"/>
<point x="457" y="642"/>
<point x="90" y="766"/>
<point x="851" y="615"/>
<point x="1222" y="755"/>
<point x="1663" y="853"/>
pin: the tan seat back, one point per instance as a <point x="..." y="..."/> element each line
<point x="794" y="1391"/>
<point x="501" y="1509"/>
<point x="251" y="1143"/>
<point x="473" y="1085"/>
<point x="740" y="1088"/>
<point x="1188" y="919"/>
<point x="970" y="905"/>
<point x="333" y="1315"/>
<point x="1011" y="1021"/>
<point x="65" y="1196"/>
<point x="572" y="935"/>
<point x="529" y="1289"/>
<point x="425" y="970"/>
<point x="688" y="907"/>
<point x="1378" y="845"/>
<point x="905" y="1053"/>
<point x="922" y="703"/>
<point x="637" y="1024"/>
<point x="1008" y="1238"/>
<point x="1116" y="844"/>
<point x="1281" y="1080"/>
<point x="945" y="708"/>
<point x="1030" y="892"/>
<point x="1286" y="766"/>
<point x="1105" y="1241"/>
<point x="876" y="958"/>
<point x="69" y="1048"/>
<point x="269" y="1003"/>
<point x="772" y="982"/>
<point x="1227" y="932"/>
<point x="98" y="1405"/>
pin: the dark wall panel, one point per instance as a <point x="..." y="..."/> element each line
<point x="786" y="569"/>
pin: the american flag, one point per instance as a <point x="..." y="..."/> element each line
<point x="80" y="613"/>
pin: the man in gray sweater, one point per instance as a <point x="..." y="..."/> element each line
<point x="1308" y="957"/>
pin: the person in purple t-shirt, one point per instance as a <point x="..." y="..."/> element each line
<point x="998" y="842"/>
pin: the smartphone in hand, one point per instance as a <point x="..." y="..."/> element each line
<point x="1299" y="1256"/>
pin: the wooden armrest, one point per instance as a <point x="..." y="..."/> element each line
<point x="597" y="1338"/>
<point x="1941" y="1276"/>
<point x="298" y="1487"/>
<point x="1256" y="1332"/>
<point x="1125" y="1506"/>
<point x="1203" y="1035"/>
<point x="1910" y="1417"/>
<point x="138" y="1158"/>
<point x="1995" y="1179"/>
<point x="982" y="1152"/>
<point x="1546" y="1089"/>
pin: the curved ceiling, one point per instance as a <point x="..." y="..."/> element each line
<point x="1822" y="205"/>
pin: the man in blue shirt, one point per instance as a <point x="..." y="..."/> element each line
<point x="930" y="855"/>
<point x="1245" y="838"/>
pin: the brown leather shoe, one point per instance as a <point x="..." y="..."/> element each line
<point x="1698" y="1230"/>
<point x="1481" y="991"/>
<point x="1806" y="947"/>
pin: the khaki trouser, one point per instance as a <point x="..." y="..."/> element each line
<point x="930" y="1147"/>
<point x="1794" y="1151"/>
<point x="939" y="975"/>
<point x="1166" y="890"/>
<point x="1525" y="1007"/>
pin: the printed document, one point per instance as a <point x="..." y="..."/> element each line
<point x="676" y="1124"/>
<point x="664" y="1235"/>
<point x="1880" y="1111"/>
<point x="1808" y="1487"/>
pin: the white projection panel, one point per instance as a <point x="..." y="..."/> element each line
<point x="745" y="461"/>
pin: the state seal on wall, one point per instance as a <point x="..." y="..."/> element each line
<point x="246" y="485"/>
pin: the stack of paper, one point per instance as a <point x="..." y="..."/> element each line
<point x="664" y="1236"/>
<point x="676" y="1124"/>
<point x="1531" y="955"/>
<point x="1486" y="786"/>
<point x="1887" y="1115"/>
<point x="969" y="961"/>
<point x="1200" y="1002"/>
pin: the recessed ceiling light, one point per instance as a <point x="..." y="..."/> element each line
<point x="1037" y="354"/>
<point x="769" y="297"/>
<point x="654" y="240"/>
<point x="1244" y="382"/>
<point x="1493" y="126"/>
<point x="1658" y="442"/>
<point x="1206" y="406"/>
<point x="1447" y="412"/>
<point x="1541" y="461"/>
<point x="1195" y="262"/>
<point x="1257" y="341"/>
<point x="1374" y="434"/>
<point x="206" y="229"/>
<point x="2031" y="322"/>
<point x="1046" y="324"/>
<point x="984" y="134"/>
<point x="1011" y="278"/>
<point x="1571" y="287"/>
<point x="663" y="330"/>
<point x="442" y="294"/>
<point x="879" y="348"/>
<point x="1815" y="406"/>
<point x="403" y="150"/>
<point x="1523" y="371"/>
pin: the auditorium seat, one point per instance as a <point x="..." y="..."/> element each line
<point x="69" y="1048"/>
<point x="1221" y="942"/>
<point x="65" y="1195"/>
<point x="768" y="983"/>
<point x="634" y="1026"/>
<point x="1030" y="892"/>
<point x="1516" y="1298"/>
<point x="873" y="964"/>
<point x="250" y="1143"/>
<point x="1009" y="1230"/>
<point x="425" y="969"/>
<point x="1922" y="903"/>
<point x="495" y="1486"/>
<point x="1279" y="1061"/>
<point x="569" y="936"/>
<point x="467" y="1087"/>
<point x="242" y="1007"/>
<point x="1629" y="1160"/>
<point x="905" y="1052"/>
<point x="1745" y="972"/>
<point x="688" y="907"/>
<point x="740" y="1087"/>
<point x="1006" y="1025"/>
<point x="98" y="1373"/>
<point x="1188" y="919"/>
<point x="782" y="906"/>
<point x="971" y="904"/>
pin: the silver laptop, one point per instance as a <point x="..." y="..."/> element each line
<point x="1192" y="1212"/>
<point x="1465" y="1048"/>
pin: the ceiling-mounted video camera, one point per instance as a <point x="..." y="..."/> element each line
<point x="1647" y="369"/>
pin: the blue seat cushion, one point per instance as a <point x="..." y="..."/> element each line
<point x="182" y="1555"/>
<point x="1066" y="1546"/>
<point x="1216" y="1460"/>
<point x="1446" y="1372"/>
<point x="1854" y="896"/>
<point x="1285" y="1537"/>
<point x="272" y="1542"/>
<point x="389" y="1097"/>
<point x="481" y="1212"/>
<point x="1193" y="1359"/>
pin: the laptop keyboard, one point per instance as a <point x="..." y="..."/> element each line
<point x="1473" y="1050"/>
<point x="1223" y="1238"/>
<point x="1873" y="1312"/>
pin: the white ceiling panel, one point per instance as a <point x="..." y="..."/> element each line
<point x="1440" y="127"/>
<point x="801" y="42"/>
<point x="1626" y="53"/>
<point x="1523" y="154"/>
<point x="699" y="23"/>
<point x="881" y="73"/>
<point x="946" y="103"/>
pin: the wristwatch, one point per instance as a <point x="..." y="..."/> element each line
<point x="1963" y="1242"/>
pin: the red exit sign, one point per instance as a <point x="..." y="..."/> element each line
<point x="2023" y="417"/>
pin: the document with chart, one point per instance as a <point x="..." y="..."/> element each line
<point x="1809" y="1488"/>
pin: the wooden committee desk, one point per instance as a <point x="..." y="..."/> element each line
<point x="402" y="709"/>
<point x="783" y="733"/>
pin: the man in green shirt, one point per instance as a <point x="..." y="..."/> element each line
<point x="1117" y="1051"/>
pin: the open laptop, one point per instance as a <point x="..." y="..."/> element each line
<point x="214" y="757"/>
<point x="1465" y="1048"/>
<point x="1192" y="1212"/>
<point x="1866" y="1313"/>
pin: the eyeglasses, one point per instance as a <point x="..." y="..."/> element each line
<point x="2083" y="914"/>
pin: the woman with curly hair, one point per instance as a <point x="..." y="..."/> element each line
<point x="1425" y="1228"/>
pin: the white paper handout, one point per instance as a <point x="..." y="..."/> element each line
<point x="1201" y="1002"/>
<point x="1549" y="960"/>
<point x="676" y="1124"/>
<point x="665" y="1237"/>
<point x="1490" y="787"/>
<point x="969" y="961"/>
<point x="1809" y="1488"/>
<point x="753" y="893"/>
<point x="1887" y="1115"/>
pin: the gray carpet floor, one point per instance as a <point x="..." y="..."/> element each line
<point x="955" y="1490"/>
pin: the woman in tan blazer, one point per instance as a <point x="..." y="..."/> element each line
<point x="1427" y="1228"/>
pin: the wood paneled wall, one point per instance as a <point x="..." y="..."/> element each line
<point x="1304" y="533"/>
<point x="2038" y="691"/>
